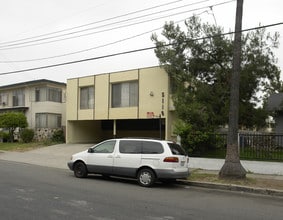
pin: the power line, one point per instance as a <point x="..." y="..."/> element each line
<point x="110" y="29"/>
<point x="111" y="43"/>
<point x="211" y="8"/>
<point x="131" y="51"/>
<point x="15" y="44"/>
<point x="85" y="50"/>
<point x="92" y="48"/>
<point x="96" y="32"/>
<point x="88" y="24"/>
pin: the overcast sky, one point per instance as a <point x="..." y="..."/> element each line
<point x="38" y="33"/>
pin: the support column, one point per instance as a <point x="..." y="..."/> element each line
<point x="114" y="129"/>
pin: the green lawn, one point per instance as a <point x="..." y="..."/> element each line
<point x="18" y="146"/>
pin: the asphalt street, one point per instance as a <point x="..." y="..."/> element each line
<point x="36" y="192"/>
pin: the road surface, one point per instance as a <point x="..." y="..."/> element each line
<point x="37" y="192"/>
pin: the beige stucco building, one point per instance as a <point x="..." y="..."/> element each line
<point x="42" y="101"/>
<point x="134" y="103"/>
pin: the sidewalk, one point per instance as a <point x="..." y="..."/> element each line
<point x="256" y="167"/>
<point x="57" y="156"/>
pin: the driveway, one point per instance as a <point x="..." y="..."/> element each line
<point x="51" y="156"/>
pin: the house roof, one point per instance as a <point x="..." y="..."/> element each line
<point x="16" y="108"/>
<point x="275" y="102"/>
<point x="32" y="83"/>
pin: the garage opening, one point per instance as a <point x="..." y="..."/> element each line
<point x="152" y="128"/>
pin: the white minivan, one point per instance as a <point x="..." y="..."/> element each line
<point x="144" y="159"/>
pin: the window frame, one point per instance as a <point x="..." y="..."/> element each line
<point x="105" y="144"/>
<point x="138" y="147"/>
<point x="154" y="143"/>
<point x="19" y="97"/>
<point x="87" y="102"/>
<point x="177" y="149"/>
<point x="47" y="93"/>
<point x="124" y="147"/>
<point x="48" y="120"/>
<point x="130" y="89"/>
<point x="4" y="98"/>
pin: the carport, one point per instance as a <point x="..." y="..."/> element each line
<point x="93" y="131"/>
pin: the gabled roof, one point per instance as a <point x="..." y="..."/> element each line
<point x="275" y="102"/>
<point x="40" y="81"/>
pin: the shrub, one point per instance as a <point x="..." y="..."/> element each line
<point x="11" y="121"/>
<point x="58" y="136"/>
<point x="194" y="142"/>
<point x="27" y="135"/>
<point x="4" y="136"/>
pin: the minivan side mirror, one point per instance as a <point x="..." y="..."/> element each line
<point x="90" y="150"/>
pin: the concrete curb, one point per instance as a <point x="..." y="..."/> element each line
<point x="232" y="187"/>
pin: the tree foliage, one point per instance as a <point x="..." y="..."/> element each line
<point x="199" y="63"/>
<point x="11" y="121"/>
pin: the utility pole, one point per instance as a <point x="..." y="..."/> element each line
<point x="232" y="166"/>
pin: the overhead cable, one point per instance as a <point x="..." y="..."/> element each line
<point x="105" y="30"/>
<point x="128" y="52"/>
<point x="91" y="48"/>
<point x="88" y="24"/>
<point x="13" y="44"/>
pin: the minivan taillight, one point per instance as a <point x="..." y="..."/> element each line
<point x="171" y="159"/>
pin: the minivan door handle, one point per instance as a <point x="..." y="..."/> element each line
<point x="118" y="156"/>
<point x="109" y="156"/>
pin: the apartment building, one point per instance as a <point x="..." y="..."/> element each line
<point x="134" y="103"/>
<point x="42" y="102"/>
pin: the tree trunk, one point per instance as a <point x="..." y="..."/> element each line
<point x="11" y="135"/>
<point x="232" y="166"/>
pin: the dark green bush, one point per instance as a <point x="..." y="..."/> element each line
<point x="195" y="142"/>
<point x="1" y="136"/>
<point x="58" y="136"/>
<point x="27" y="135"/>
<point x="4" y="136"/>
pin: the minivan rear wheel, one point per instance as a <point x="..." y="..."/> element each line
<point x="80" y="170"/>
<point x="146" y="177"/>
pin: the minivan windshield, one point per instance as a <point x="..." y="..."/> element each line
<point x="176" y="149"/>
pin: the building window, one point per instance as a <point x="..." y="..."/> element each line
<point x="18" y="97"/>
<point x="54" y="95"/>
<point x="87" y="97"/>
<point x="48" y="120"/>
<point x="125" y="94"/>
<point x="3" y="99"/>
<point x="48" y="94"/>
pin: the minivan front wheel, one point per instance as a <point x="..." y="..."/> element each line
<point x="80" y="170"/>
<point x="146" y="177"/>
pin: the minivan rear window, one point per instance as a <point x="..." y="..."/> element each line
<point x="176" y="149"/>
<point x="151" y="147"/>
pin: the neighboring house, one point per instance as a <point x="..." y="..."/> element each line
<point x="42" y="102"/>
<point x="275" y="105"/>
<point x="134" y="103"/>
